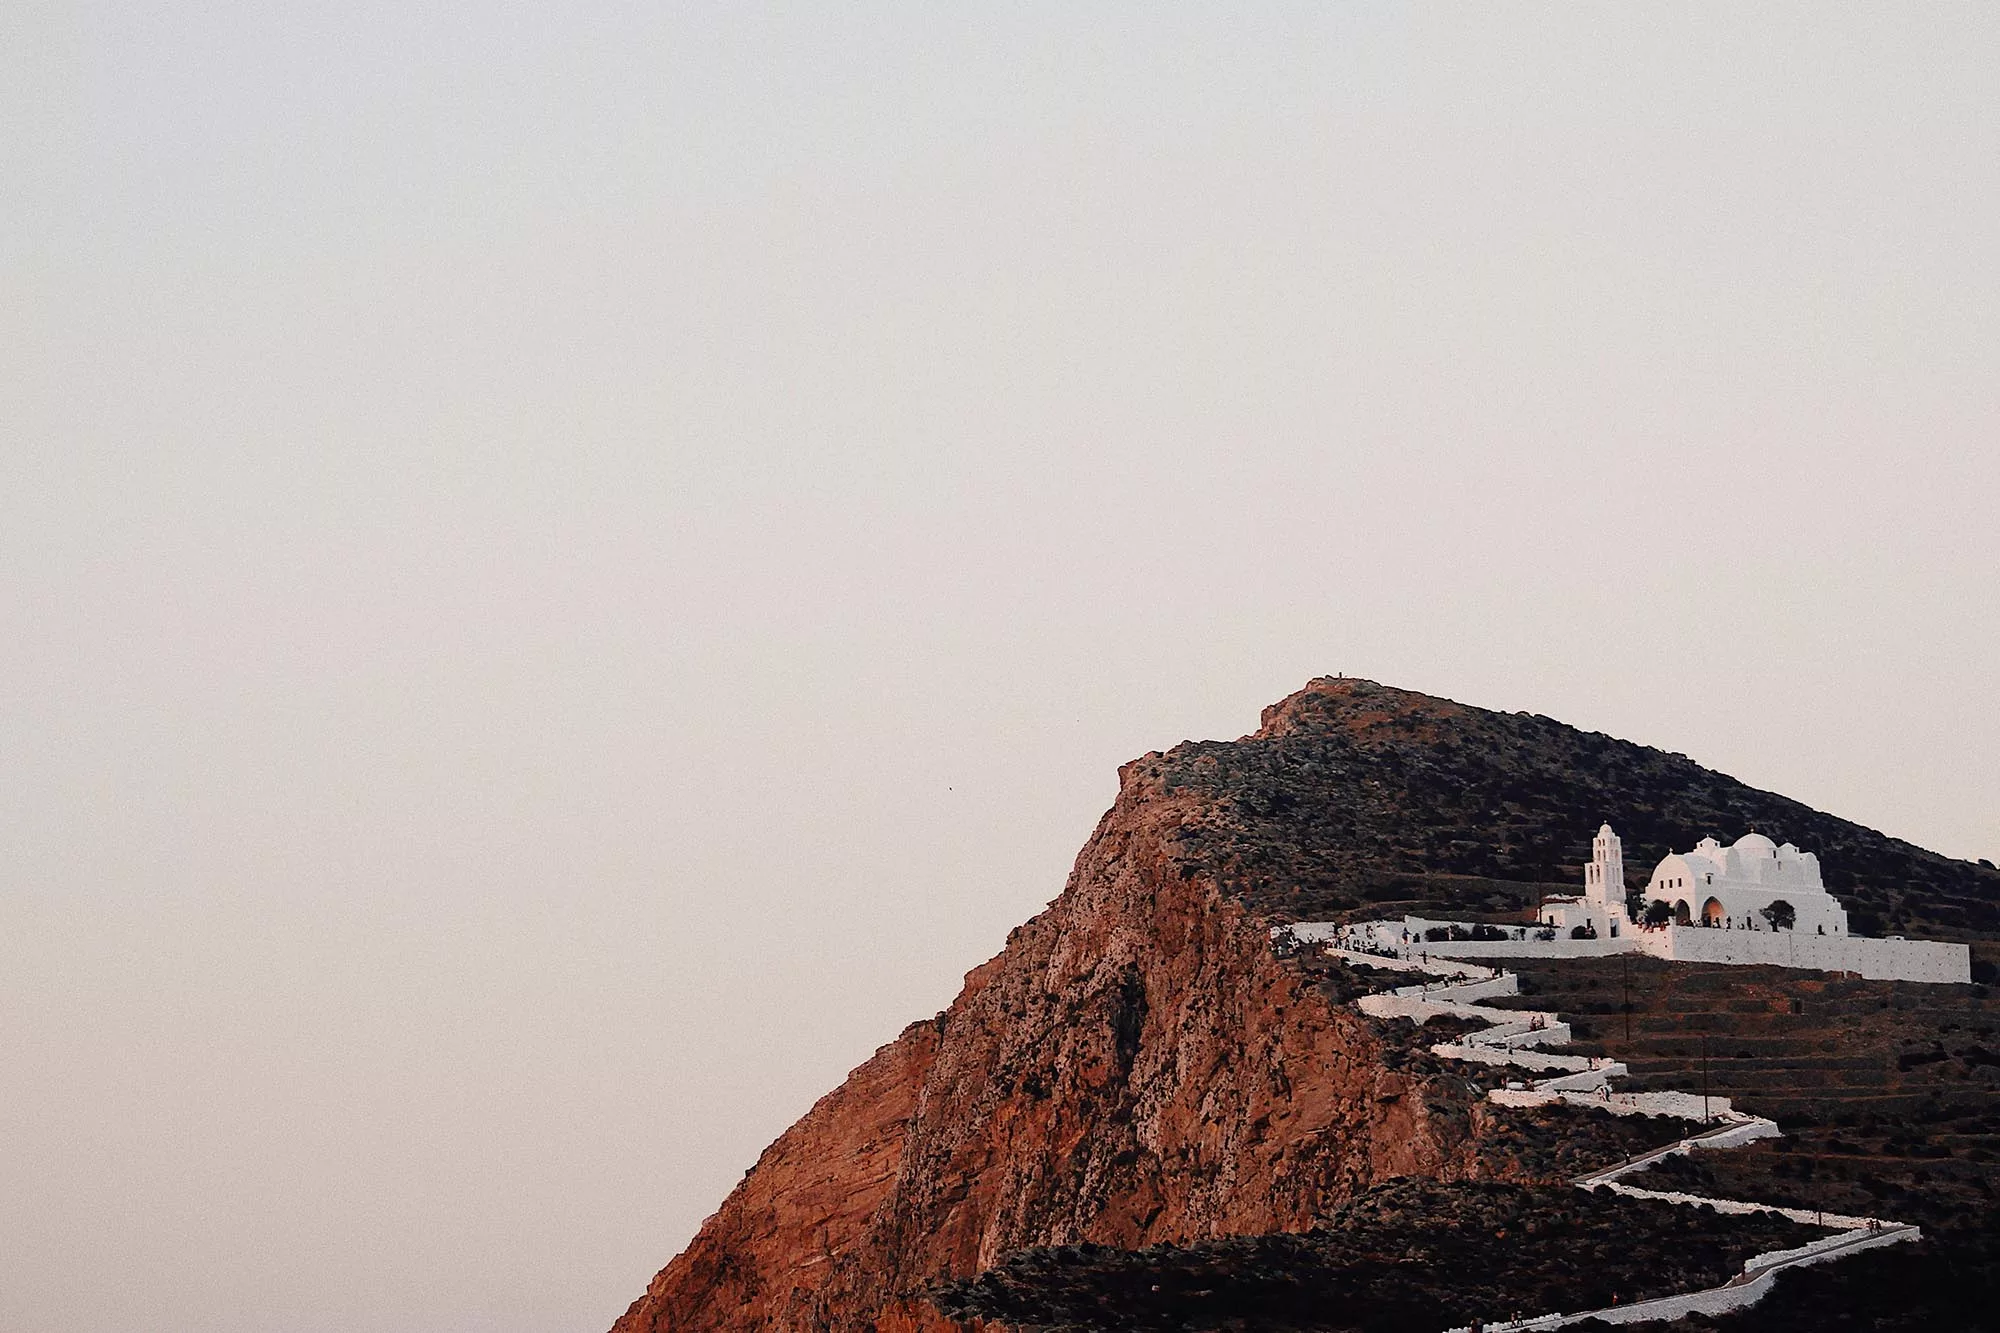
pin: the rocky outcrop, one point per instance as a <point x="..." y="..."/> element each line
<point x="1137" y="1066"/>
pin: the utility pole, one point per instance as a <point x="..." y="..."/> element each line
<point x="1625" y="961"/>
<point x="1704" y="1078"/>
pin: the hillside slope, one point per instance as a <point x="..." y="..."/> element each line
<point x="1137" y="1067"/>
<point x="1352" y="791"/>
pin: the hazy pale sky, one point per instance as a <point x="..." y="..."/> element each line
<point x="565" y="570"/>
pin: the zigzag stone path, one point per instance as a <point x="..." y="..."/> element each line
<point x="1509" y="1039"/>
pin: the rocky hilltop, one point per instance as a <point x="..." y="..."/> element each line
<point x="1138" y="1067"/>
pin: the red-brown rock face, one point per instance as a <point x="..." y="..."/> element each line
<point x="1134" y="1067"/>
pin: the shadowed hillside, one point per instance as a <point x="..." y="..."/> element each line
<point x="1410" y="1257"/>
<point x="1354" y="794"/>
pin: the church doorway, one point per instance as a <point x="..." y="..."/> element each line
<point x="1711" y="913"/>
<point x="1682" y="917"/>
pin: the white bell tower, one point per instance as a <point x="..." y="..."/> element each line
<point x="1604" y="877"/>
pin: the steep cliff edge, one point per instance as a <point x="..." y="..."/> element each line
<point x="1135" y="1067"/>
<point x="1138" y="1067"/>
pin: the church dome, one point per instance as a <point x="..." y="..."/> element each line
<point x="1755" y="844"/>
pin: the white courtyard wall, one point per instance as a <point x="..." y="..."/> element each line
<point x="1881" y="960"/>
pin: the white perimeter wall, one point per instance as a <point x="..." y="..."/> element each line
<point x="1882" y="960"/>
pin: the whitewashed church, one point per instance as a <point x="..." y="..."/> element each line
<point x="1753" y="884"/>
<point x="1736" y="887"/>
<point x="1754" y="901"/>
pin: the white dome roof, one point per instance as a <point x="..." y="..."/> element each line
<point x="1755" y="844"/>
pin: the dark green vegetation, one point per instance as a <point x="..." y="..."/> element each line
<point x="1356" y="795"/>
<point x="1413" y="1256"/>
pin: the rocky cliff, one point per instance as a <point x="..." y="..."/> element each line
<point x="1138" y="1067"/>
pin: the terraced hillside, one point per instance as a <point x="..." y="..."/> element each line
<point x="1889" y="1093"/>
